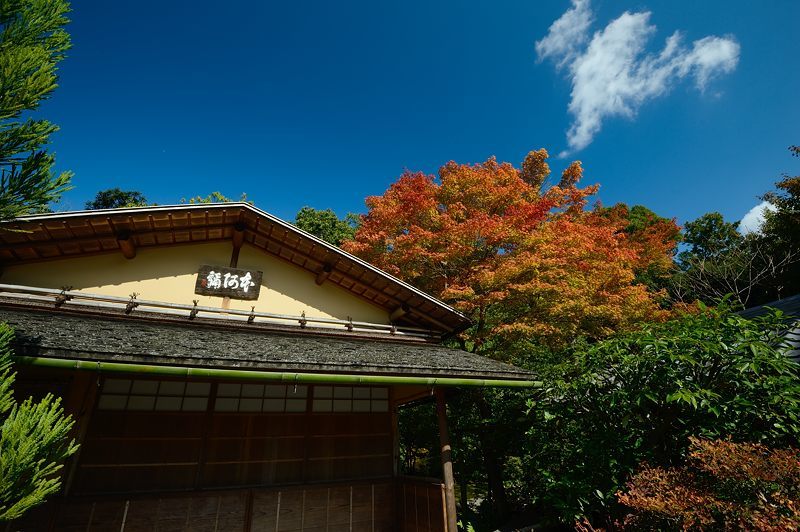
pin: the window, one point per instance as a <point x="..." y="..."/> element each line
<point x="350" y="399"/>
<point x="150" y="395"/>
<point x="260" y="398"/>
<point x="143" y="395"/>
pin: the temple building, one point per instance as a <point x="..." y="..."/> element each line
<point x="228" y="371"/>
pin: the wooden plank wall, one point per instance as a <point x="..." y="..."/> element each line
<point x="339" y="507"/>
<point x="421" y="506"/>
<point x="157" y="451"/>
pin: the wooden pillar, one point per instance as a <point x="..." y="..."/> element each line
<point x="447" y="462"/>
<point x="79" y="403"/>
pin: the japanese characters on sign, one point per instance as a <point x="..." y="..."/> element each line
<point x="228" y="282"/>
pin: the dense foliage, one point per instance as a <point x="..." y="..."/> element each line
<point x="529" y="265"/>
<point x="520" y="261"/>
<point x="326" y="225"/>
<point x="34" y="442"/>
<point x="32" y="42"/>
<point x="214" y="197"/>
<point x="33" y="435"/>
<point x="722" y="486"/>
<point x="115" y="198"/>
<point x="755" y="268"/>
<point x="598" y="303"/>
<point x="639" y="396"/>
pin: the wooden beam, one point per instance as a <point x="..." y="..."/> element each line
<point x="110" y="235"/>
<point x="429" y="319"/>
<point x="395" y="421"/>
<point x="238" y="236"/>
<point x="126" y="244"/>
<point x="398" y="313"/>
<point x="447" y="461"/>
<point x="324" y="273"/>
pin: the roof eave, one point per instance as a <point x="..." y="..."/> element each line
<point x="262" y="375"/>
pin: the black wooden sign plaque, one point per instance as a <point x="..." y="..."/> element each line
<point x="223" y="281"/>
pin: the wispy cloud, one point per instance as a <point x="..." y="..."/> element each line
<point x="754" y="219"/>
<point x="613" y="74"/>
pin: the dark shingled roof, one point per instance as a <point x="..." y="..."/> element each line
<point x="789" y="306"/>
<point x="116" y="338"/>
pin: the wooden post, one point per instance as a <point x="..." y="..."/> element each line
<point x="79" y="404"/>
<point x="447" y="462"/>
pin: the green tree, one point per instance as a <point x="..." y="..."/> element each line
<point x="215" y="197"/>
<point x="638" y="397"/>
<point x="418" y="432"/>
<point x="115" y="198"/>
<point x="32" y="42"/>
<point x="755" y="268"/>
<point x="326" y="225"/>
<point x="781" y="229"/>
<point x="657" y="238"/>
<point x="34" y="442"/>
<point x="717" y="261"/>
<point x="709" y="236"/>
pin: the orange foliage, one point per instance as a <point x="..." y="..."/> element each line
<point x="654" y="239"/>
<point x="724" y="486"/>
<point x="517" y="260"/>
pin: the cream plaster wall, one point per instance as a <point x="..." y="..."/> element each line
<point x="169" y="274"/>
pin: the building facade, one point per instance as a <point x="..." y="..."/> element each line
<point x="228" y="371"/>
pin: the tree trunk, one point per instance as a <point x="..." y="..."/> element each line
<point x="492" y="459"/>
<point x="463" y="496"/>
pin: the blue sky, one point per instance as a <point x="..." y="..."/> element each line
<point x="325" y="103"/>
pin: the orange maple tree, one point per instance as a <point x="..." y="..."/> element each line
<point x="518" y="259"/>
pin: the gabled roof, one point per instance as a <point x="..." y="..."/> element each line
<point x="79" y="233"/>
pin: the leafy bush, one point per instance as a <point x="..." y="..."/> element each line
<point x="723" y="485"/>
<point x="34" y="442"/>
<point x="638" y="397"/>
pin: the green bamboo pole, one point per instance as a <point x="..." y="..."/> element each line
<point x="258" y="375"/>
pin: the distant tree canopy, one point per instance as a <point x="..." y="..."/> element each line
<point x="32" y="42"/>
<point x="755" y="268"/>
<point x="114" y="198"/>
<point x="709" y="236"/>
<point x="781" y="228"/>
<point x="326" y="225"/>
<point x="215" y="197"/>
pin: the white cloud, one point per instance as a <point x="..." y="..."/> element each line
<point x="613" y="75"/>
<point x="751" y="222"/>
<point x="567" y="34"/>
